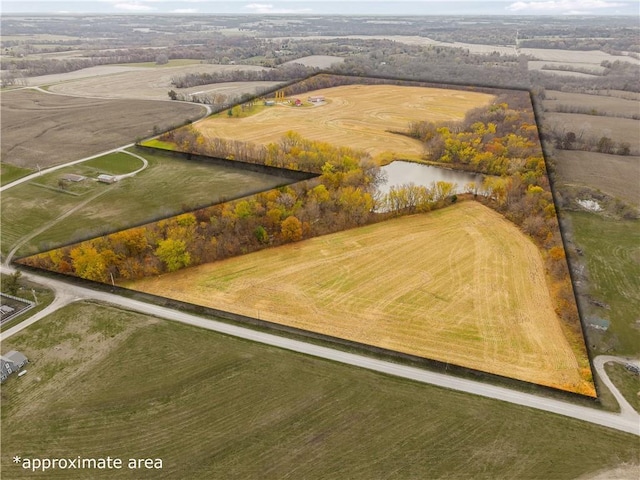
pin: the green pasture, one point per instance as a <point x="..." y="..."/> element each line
<point x="114" y="163"/>
<point x="612" y="255"/>
<point x="167" y="187"/>
<point x="10" y="173"/>
<point x="103" y="381"/>
<point x="628" y="383"/>
<point x="155" y="143"/>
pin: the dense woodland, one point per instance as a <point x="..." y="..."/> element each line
<point x="263" y="42"/>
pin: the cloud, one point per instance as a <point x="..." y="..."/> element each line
<point x="268" y="8"/>
<point x="562" y="6"/>
<point x="133" y="7"/>
<point x="185" y="10"/>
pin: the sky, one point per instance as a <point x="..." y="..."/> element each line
<point x="331" y="7"/>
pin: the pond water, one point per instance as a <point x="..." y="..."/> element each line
<point x="401" y="172"/>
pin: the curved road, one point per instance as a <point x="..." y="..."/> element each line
<point x="207" y="112"/>
<point x="626" y="409"/>
<point x="626" y="423"/>
<point x="71" y="211"/>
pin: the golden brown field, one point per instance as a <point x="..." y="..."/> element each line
<point x="461" y="285"/>
<point x="357" y="116"/>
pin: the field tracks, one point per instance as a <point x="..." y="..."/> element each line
<point x="75" y="208"/>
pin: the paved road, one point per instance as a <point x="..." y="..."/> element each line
<point x="598" y="363"/>
<point x="33" y="176"/>
<point x="625" y="423"/>
<point x="208" y="111"/>
<point x="145" y="164"/>
<point x="71" y="211"/>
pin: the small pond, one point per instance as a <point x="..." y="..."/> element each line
<point x="401" y="172"/>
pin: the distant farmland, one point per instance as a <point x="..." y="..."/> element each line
<point x="43" y="129"/>
<point x="617" y="129"/>
<point x="153" y="83"/>
<point x="608" y="106"/>
<point x="357" y="116"/>
<point x="615" y="175"/>
<point x="463" y="285"/>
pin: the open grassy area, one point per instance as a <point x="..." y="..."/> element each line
<point x="159" y="191"/>
<point x="628" y="383"/>
<point x="619" y="130"/>
<point x="357" y="116"/>
<point x="115" y="163"/>
<point x="601" y="105"/>
<point x="98" y="384"/>
<point x="9" y="173"/>
<point x="148" y="81"/>
<point x="155" y="143"/>
<point x="612" y="254"/>
<point x="463" y="286"/>
<point x="174" y="62"/>
<point x="614" y="175"/>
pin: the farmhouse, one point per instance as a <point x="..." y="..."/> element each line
<point x="10" y="363"/>
<point x="104" y="178"/>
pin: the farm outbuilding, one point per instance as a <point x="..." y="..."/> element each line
<point x="72" y="177"/>
<point x="104" y="178"/>
<point x="316" y="98"/>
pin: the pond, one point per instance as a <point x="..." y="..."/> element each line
<point x="401" y="172"/>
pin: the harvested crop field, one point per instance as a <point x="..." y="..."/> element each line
<point x="44" y="129"/>
<point x="147" y="83"/>
<point x="576" y="57"/>
<point x="318" y="61"/>
<point x="464" y="286"/>
<point x="607" y="106"/>
<point x="357" y="116"/>
<point x="615" y="175"/>
<point x="557" y="67"/>
<point x="101" y="70"/>
<point x="617" y="129"/>
<point x="233" y="409"/>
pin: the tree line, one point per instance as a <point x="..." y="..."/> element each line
<point x="340" y="197"/>
<point x="287" y="72"/>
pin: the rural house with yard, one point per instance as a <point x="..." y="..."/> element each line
<point x="10" y="363"/>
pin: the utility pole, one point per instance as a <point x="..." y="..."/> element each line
<point x="35" y="299"/>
